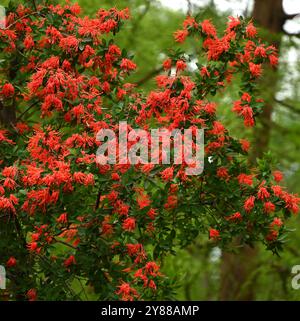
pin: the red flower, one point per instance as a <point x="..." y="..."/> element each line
<point x="245" y="145"/>
<point x="273" y="60"/>
<point x="245" y="179"/>
<point x="277" y="190"/>
<point x="251" y="31"/>
<point x="126" y="292"/>
<point x="272" y="236"/>
<point x="129" y="224"/>
<point x="233" y="23"/>
<point x="167" y="174"/>
<point x="63" y="218"/>
<point x="204" y="72"/>
<point x="180" y="65"/>
<point x="277" y="222"/>
<point x="247" y="113"/>
<point x="167" y="64"/>
<point x="127" y="64"/>
<point x="28" y="42"/>
<point x="263" y="193"/>
<point x="31" y="295"/>
<point x="269" y="207"/>
<point x="115" y="176"/>
<point x="260" y="51"/>
<point x="69" y="261"/>
<point x="255" y="69"/>
<point x="143" y="200"/>
<point x="208" y="28"/>
<point x="8" y="90"/>
<point x="222" y="172"/>
<point x="180" y="35"/>
<point x="214" y="234"/>
<point x="152" y="213"/>
<point x="249" y="204"/>
<point x="11" y="262"/>
<point x="234" y="217"/>
<point x="278" y="176"/>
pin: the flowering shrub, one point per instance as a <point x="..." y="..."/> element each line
<point x="68" y="222"/>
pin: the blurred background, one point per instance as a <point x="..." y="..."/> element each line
<point x="203" y="273"/>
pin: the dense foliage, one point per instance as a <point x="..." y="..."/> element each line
<point x="68" y="222"/>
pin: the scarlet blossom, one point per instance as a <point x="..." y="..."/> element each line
<point x="143" y="201"/>
<point x="127" y="64"/>
<point x="222" y="172"/>
<point x="180" y="65"/>
<point x="245" y="179"/>
<point x="247" y="113"/>
<point x="114" y="50"/>
<point x="126" y="292"/>
<point x="255" y="69"/>
<point x="277" y="222"/>
<point x="233" y="23"/>
<point x="167" y="64"/>
<point x="32" y="246"/>
<point x="210" y="108"/>
<point x="246" y="97"/>
<point x="69" y="43"/>
<point x="237" y="107"/>
<point x="10" y="171"/>
<point x="260" y="51"/>
<point x="11" y="262"/>
<point x="204" y="72"/>
<point x="234" y="217"/>
<point x="278" y="176"/>
<point x="152" y="268"/>
<point x="214" y="234"/>
<point x="107" y="229"/>
<point x="180" y="35"/>
<point x="129" y="224"/>
<point x="249" y="203"/>
<point x="251" y="31"/>
<point x="115" y="176"/>
<point x="31" y="295"/>
<point x="28" y="42"/>
<point x="7" y="90"/>
<point x="189" y="22"/>
<point x="147" y="168"/>
<point x="292" y="202"/>
<point x="208" y="28"/>
<point x="245" y="144"/>
<point x="277" y="190"/>
<point x="69" y="261"/>
<point x="152" y="285"/>
<point x="272" y="236"/>
<point x="263" y="193"/>
<point x="63" y="218"/>
<point x="167" y="174"/>
<point x="273" y="60"/>
<point x="269" y="207"/>
<point x="152" y="213"/>
<point x="133" y="249"/>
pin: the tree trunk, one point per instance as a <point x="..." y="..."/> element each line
<point x="238" y="270"/>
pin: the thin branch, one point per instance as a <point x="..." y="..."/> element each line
<point x="25" y="111"/>
<point x="289" y="106"/>
<point x="98" y="200"/>
<point x="65" y="243"/>
<point x="296" y="34"/>
<point x="149" y="76"/>
<point x="190" y="7"/>
<point x="291" y="16"/>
